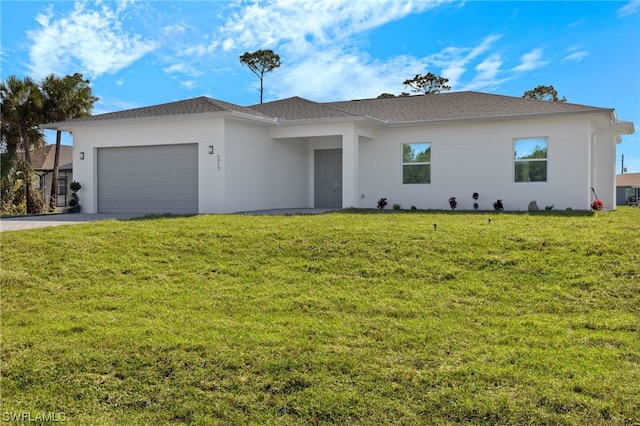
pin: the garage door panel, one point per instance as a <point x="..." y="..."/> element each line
<point x="150" y="179"/>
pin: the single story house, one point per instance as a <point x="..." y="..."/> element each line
<point x="42" y="160"/>
<point x="627" y="189"/>
<point x="204" y="155"/>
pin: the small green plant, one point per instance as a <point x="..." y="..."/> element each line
<point x="498" y="205"/>
<point x="382" y="203"/>
<point x="74" y="202"/>
<point x="453" y="203"/>
<point x="396" y="206"/>
<point x="475" y="197"/>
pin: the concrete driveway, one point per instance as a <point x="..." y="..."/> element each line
<point x="31" y="222"/>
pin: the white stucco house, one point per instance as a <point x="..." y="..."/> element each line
<point x="208" y="156"/>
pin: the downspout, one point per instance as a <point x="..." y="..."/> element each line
<point x="592" y="167"/>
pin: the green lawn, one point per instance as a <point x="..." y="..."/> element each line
<point x="354" y="317"/>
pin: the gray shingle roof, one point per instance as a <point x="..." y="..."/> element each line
<point x="455" y="106"/>
<point x="199" y="105"/>
<point x="297" y="108"/>
<point x="406" y="109"/>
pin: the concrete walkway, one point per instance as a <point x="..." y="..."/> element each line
<point x="31" y="222"/>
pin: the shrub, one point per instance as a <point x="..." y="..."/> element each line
<point x="549" y="207"/>
<point x="382" y="202"/>
<point x="396" y="206"/>
<point x="453" y="203"/>
<point x="597" y="205"/>
<point x="74" y="202"/>
<point x="413" y="208"/>
<point x="498" y="205"/>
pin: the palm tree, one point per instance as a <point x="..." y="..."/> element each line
<point x="21" y="113"/>
<point x="64" y="99"/>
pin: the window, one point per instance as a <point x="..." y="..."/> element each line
<point x="416" y="163"/>
<point x="62" y="185"/>
<point x="530" y="156"/>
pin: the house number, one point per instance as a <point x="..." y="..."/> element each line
<point x="218" y="161"/>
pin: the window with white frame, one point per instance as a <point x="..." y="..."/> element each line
<point x="530" y="159"/>
<point x="416" y="163"/>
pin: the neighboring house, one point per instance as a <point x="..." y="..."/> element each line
<point x="42" y="160"/>
<point x="208" y="156"/>
<point x="627" y="189"/>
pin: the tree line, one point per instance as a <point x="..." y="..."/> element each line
<point x="25" y="104"/>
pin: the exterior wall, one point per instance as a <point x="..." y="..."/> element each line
<point x="204" y="132"/>
<point x="604" y="167"/>
<point x="255" y="166"/>
<point x="263" y="173"/>
<point x="343" y="135"/>
<point x="478" y="157"/>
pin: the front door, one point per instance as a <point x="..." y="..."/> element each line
<point x="328" y="178"/>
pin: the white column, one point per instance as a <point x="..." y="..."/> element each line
<point x="350" y="187"/>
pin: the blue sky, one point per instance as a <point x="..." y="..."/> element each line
<point x="139" y="53"/>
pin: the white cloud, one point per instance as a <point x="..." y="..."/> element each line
<point x="320" y="43"/>
<point x="576" y="56"/>
<point x="90" y="41"/>
<point x="531" y="61"/>
<point x="177" y="29"/>
<point x="579" y="23"/>
<point x="188" y="84"/>
<point x="298" y="23"/>
<point x="352" y="74"/>
<point x="183" y="68"/>
<point x="488" y="74"/>
<point x="630" y="8"/>
<point x="345" y="75"/>
<point x="453" y="61"/>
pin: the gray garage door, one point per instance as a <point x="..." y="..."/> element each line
<point x="148" y="179"/>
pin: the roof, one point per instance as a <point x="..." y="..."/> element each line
<point x="43" y="158"/>
<point x="628" y="179"/>
<point x="198" y="105"/>
<point x="297" y="108"/>
<point x="403" y="109"/>
<point x="456" y="106"/>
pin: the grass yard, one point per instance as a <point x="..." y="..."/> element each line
<point x="354" y="317"/>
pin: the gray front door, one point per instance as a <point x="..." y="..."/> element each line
<point x="328" y="178"/>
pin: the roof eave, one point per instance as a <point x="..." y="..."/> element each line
<point x="624" y="127"/>
<point x="493" y="118"/>
<point x="68" y="126"/>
